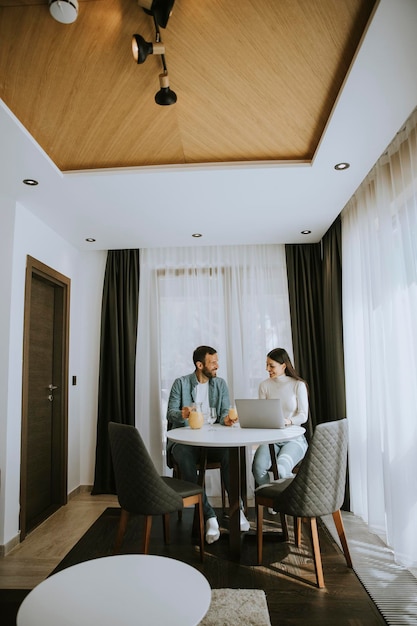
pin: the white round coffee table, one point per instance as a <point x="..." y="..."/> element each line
<point x="122" y="590"/>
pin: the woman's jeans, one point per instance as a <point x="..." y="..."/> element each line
<point x="288" y="455"/>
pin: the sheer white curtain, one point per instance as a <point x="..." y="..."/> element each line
<point x="380" y="338"/>
<point x="234" y="298"/>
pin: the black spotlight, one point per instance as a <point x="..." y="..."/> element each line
<point x="159" y="9"/>
<point x="141" y="49"/>
<point x="165" y="95"/>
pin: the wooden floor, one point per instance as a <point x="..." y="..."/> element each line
<point x="290" y="600"/>
<point x="32" y="560"/>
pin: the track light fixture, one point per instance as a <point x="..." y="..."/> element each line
<point x="141" y="49"/>
<point x="160" y="9"/>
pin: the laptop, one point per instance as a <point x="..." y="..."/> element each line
<point x="260" y="413"/>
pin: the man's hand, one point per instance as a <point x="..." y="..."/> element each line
<point x="230" y="420"/>
<point x="185" y="412"/>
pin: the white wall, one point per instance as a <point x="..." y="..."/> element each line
<point x="6" y="262"/>
<point x="86" y="296"/>
<point x="22" y="234"/>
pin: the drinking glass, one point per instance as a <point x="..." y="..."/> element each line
<point x="233" y="414"/>
<point x="212" y="417"/>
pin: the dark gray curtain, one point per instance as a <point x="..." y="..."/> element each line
<point x="315" y="291"/>
<point x="119" y="322"/>
<point x="333" y="325"/>
<point x="306" y="296"/>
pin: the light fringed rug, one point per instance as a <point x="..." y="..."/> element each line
<point x="229" y="607"/>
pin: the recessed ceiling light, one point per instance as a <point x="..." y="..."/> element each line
<point x="64" y="12"/>
<point x="30" y="181"/>
<point x="90" y="239"/>
<point x="197" y="235"/>
<point x="306" y="232"/>
<point x="341" y="166"/>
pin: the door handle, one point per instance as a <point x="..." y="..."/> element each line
<point x="51" y="388"/>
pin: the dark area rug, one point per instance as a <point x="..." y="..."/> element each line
<point x="98" y="541"/>
<point x="286" y="576"/>
<point x="10" y="600"/>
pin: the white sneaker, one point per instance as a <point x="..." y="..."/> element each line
<point x="244" y="524"/>
<point x="262" y="486"/>
<point x="212" y="530"/>
<point x="271" y="511"/>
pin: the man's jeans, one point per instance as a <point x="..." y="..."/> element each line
<point x="188" y="457"/>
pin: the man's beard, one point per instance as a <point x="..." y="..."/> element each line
<point x="208" y="374"/>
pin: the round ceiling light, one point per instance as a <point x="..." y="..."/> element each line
<point x="64" y="11"/>
<point x="342" y="166"/>
<point x="30" y="181"/>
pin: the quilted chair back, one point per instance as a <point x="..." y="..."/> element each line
<point x="140" y="489"/>
<point x="319" y="486"/>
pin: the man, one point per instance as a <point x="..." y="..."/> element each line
<point x="203" y="386"/>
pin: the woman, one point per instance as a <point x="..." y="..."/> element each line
<point x="283" y="383"/>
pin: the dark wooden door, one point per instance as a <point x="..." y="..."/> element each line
<point x="44" y="414"/>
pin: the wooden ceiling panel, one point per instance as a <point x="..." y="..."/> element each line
<point x="255" y="80"/>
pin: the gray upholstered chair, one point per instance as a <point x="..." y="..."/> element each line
<point x="141" y="490"/>
<point x="317" y="489"/>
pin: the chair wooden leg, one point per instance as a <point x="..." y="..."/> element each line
<point x="316" y="552"/>
<point x="259" y="528"/>
<point x="202" y="476"/>
<point x="223" y="493"/>
<point x="202" y="467"/>
<point x="199" y="507"/>
<point x="166" y="520"/>
<point x="124" y="518"/>
<point x="297" y="531"/>
<point x="177" y="474"/>
<point x="274" y="465"/>
<point x="198" y="521"/>
<point x="243" y="479"/>
<point x="147" y="534"/>
<point x="284" y="526"/>
<point x="338" y="521"/>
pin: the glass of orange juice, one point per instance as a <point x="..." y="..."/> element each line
<point x="233" y="416"/>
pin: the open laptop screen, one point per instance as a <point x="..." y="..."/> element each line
<point x="260" y="413"/>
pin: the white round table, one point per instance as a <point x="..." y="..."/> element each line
<point x="120" y="590"/>
<point x="236" y="439"/>
<point x="219" y="436"/>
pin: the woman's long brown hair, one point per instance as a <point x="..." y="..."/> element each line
<point x="280" y="355"/>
